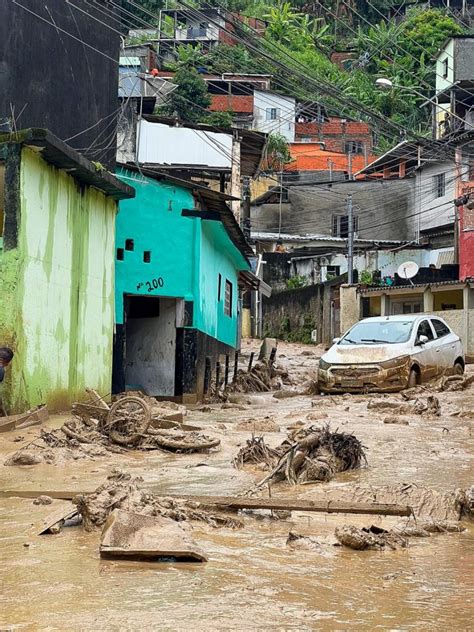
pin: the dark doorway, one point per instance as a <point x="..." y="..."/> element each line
<point x="150" y="345"/>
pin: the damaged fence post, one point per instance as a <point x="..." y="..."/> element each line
<point x="273" y="355"/>
<point x="251" y="361"/>
<point x="218" y="374"/>
<point x="226" y="373"/>
<point x="207" y="375"/>
<point x="236" y="365"/>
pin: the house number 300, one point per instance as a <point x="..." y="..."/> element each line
<point x="154" y="284"/>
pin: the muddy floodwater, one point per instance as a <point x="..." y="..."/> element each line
<point x="253" y="579"/>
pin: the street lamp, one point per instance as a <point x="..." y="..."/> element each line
<point x="386" y="84"/>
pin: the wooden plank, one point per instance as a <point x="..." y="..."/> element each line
<point x="241" y="502"/>
<point x="238" y="502"/>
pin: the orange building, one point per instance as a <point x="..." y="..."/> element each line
<point x="312" y="157"/>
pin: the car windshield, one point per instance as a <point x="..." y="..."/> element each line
<point x="379" y="332"/>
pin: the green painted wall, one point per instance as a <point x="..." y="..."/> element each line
<point x="60" y="286"/>
<point x="187" y="254"/>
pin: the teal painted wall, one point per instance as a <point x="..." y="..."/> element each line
<point x="57" y="285"/>
<point x="153" y="220"/>
<point x="187" y="254"/>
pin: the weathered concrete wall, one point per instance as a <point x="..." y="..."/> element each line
<point x="383" y="209"/>
<point x="57" y="288"/>
<point x="461" y="322"/>
<point x="293" y="314"/>
<point x="350" y="307"/>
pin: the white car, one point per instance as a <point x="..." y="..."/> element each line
<point x="390" y="353"/>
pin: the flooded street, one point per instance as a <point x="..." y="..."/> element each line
<point x="253" y="579"/>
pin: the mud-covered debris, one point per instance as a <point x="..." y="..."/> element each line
<point x="43" y="500"/>
<point x="132" y="536"/>
<point x="265" y="376"/>
<point x="127" y="424"/>
<point x="426" y="407"/>
<point x="394" y="419"/>
<point x="315" y="454"/>
<point x="426" y="503"/>
<point x="377" y="538"/>
<point x="454" y="383"/>
<point x="302" y="542"/>
<point x="368" y="538"/>
<point x="256" y="451"/>
<point x="267" y="424"/>
<point x="23" y="457"/>
<point x="122" y="491"/>
<point x="286" y="393"/>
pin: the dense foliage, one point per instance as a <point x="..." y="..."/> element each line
<point x="302" y="34"/>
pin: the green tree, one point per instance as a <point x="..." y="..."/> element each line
<point x="219" y="119"/>
<point x="189" y="98"/>
<point x="278" y="152"/>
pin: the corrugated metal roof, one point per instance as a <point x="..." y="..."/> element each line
<point x="266" y="236"/>
<point x="391" y="288"/>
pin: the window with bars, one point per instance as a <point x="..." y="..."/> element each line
<point x="228" y="298"/>
<point x="439" y="184"/>
<point x="272" y="114"/>
<point x="354" y="147"/>
<point x="340" y="226"/>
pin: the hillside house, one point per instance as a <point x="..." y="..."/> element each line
<point x="57" y="238"/>
<point x="181" y="262"/>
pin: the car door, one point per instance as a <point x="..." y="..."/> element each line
<point x="425" y="353"/>
<point x="447" y="348"/>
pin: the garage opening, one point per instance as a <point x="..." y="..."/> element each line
<point x="150" y="345"/>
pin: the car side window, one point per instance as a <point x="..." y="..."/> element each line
<point x="440" y="328"/>
<point x="424" y="329"/>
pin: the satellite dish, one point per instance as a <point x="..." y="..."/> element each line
<point x="408" y="270"/>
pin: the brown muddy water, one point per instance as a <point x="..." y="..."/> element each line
<point x="253" y="580"/>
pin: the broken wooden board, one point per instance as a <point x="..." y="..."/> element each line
<point x="56" y="518"/>
<point x="132" y="536"/>
<point x="31" y="417"/>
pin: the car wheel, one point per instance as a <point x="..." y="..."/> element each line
<point x="412" y="379"/>
<point x="458" y="369"/>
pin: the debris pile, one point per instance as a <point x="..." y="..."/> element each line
<point x="428" y="407"/>
<point x="95" y="429"/>
<point x="267" y="424"/>
<point x="378" y="538"/>
<point x="307" y="455"/>
<point x="121" y="491"/>
<point x="265" y="376"/>
<point x="426" y="503"/>
<point x="454" y="383"/>
<point x="256" y="451"/>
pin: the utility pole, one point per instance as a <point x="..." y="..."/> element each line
<point x="350" y="241"/>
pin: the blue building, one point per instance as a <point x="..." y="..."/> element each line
<point x="181" y="262"/>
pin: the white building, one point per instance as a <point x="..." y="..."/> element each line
<point x="274" y="113"/>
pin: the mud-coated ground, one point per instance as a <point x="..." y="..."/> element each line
<point x="253" y="580"/>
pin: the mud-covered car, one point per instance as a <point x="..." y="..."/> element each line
<point x="390" y="353"/>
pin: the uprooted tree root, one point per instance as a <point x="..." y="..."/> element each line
<point x="121" y="491"/>
<point x="256" y="451"/>
<point x="308" y="455"/>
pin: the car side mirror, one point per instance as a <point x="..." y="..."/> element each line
<point x="422" y="340"/>
<point x="335" y="341"/>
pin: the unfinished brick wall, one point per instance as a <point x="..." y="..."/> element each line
<point x="236" y="103"/>
<point x="335" y="134"/>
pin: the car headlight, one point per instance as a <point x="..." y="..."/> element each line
<point x="395" y="363"/>
<point x="324" y="365"/>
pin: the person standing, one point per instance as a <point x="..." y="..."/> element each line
<point x="6" y="356"/>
